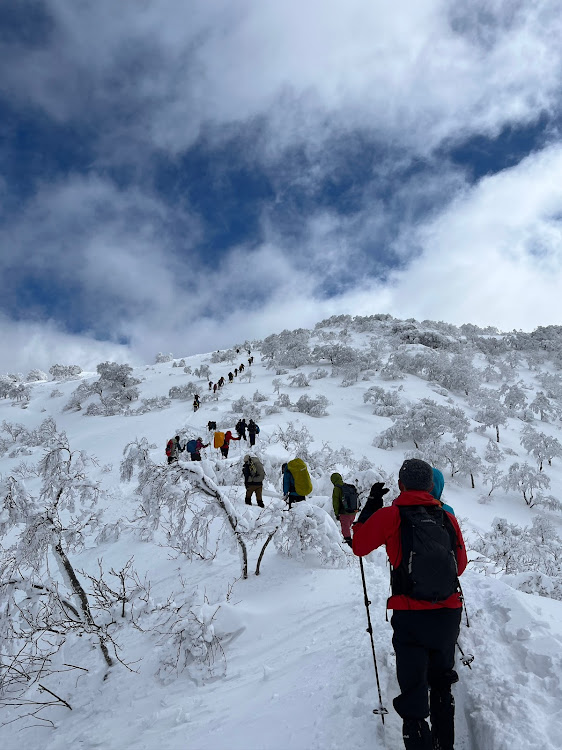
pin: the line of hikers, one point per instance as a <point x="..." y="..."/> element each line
<point x="427" y="554"/>
<point x="231" y="375"/>
<point x="221" y="441"/>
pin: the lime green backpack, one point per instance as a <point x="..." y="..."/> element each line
<point x="303" y="485"/>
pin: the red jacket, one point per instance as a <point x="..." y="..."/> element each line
<point x="383" y="527"/>
<point x="228" y="436"/>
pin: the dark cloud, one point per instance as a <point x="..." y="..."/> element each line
<point x="171" y="166"/>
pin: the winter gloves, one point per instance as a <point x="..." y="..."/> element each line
<point x="374" y="501"/>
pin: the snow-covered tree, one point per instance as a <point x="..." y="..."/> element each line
<point x="461" y="459"/>
<point x="203" y="371"/>
<point x="64" y="372"/>
<point x="491" y="413"/>
<point x="162" y="358"/>
<point x="47" y="529"/>
<point x="493" y="453"/>
<point x="183" y="392"/>
<point x="543" y="447"/>
<point x="514" y="397"/>
<point x="525" y="479"/>
<point x="424" y="422"/>
<point x="542" y="405"/>
<point x="36" y="375"/>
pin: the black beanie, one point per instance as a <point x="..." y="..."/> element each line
<point x="416" y="474"/>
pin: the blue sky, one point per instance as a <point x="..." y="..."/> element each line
<point x="181" y="175"/>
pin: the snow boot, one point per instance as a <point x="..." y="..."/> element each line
<point x="416" y="735"/>
<point x="442" y="716"/>
<point x="248" y="502"/>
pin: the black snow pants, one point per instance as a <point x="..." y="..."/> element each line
<point x="424" y="642"/>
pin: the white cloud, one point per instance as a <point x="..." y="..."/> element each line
<point x="29" y="344"/>
<point x="413" y="72"/>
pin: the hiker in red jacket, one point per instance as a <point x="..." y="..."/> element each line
<point x="228" y="436"/>
<point x="425" y="625"/>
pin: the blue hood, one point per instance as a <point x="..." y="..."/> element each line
<point x="438" y="484"/>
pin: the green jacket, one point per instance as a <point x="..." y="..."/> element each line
<point x="337" y="481"/>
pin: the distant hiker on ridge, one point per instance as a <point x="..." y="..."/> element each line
<point x="426" y="550"/>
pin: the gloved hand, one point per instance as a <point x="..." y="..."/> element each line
<point x="337" y="518"/>
<point x="374" y="502"/>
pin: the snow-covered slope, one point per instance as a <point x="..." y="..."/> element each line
<point x="207" y="659"/>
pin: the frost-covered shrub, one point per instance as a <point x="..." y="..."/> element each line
<point x="55" y="393"/>
<point x="183" y="392"/>
<point x="315" y="407"/>
<point x="252" y="411"/>
<point x="259" y="397"/>
<point x="187" y="639"/>
<point x="294" y="438"/>
<point x="530" y="557"/>
<point x="227" y="355"/>
<point x="308" y="529"/>
<point x="299" y="380"/>
<point x="386" y="403"/>
<point x="151" y="404"/>
<point x="283" y="401"/>
<point x="318" y="374"/>
<point x="272" y="409"/>
<point x="203" y="371"/>
<point x="391" y="371"/>
<point x="187" y="370"/>
<point x="161" y="358"/>
<point x="493" y="453"/>
<point x="350" y="375"/>
<point x="241" y="405"/>
<point x="64" y="372"/>
<point x="36" y="375"/>
<point x="95" y="410"/>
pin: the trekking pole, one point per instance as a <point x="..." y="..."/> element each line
<point x="381" y="710"/>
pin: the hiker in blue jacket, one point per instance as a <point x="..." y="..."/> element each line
<point x="289" y="492"/>
<point x="437" y="491"/>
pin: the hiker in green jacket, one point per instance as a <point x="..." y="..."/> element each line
<point x="341" y="504"/>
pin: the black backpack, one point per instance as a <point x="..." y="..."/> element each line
<point x="349" y="498"/>
<point x="428" y="569"/>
